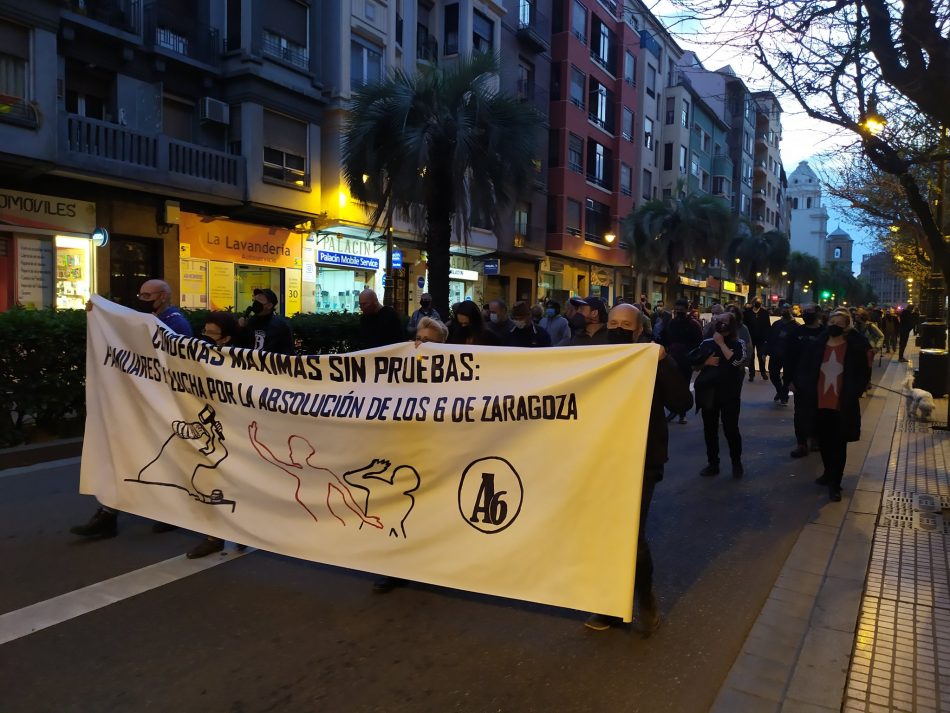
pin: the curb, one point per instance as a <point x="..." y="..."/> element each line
<point x="34" y="453"/>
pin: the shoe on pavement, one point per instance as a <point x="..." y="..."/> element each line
<point x="158" y="527"/>
<point x="599" y="622"/>
<point x="823" y="479"/>
<point x="710" y="470"/>
<point x="752" y="376"/>
<point x="800" y="451"/>
<point x="902" y="359"/>
<point x="670" y="418"/>
<point x="384" y="585"/>
<point x="209" y="546"/>
<point x="737" y="470"/>
<point x="102" y="524"/>
<point x="834" y="494"/>
<point x="648" y="614"/>
<point x="764" y="376"/>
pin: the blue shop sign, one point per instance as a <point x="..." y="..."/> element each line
<point x="397" y="260"/>
<point x="492" y="267"/>
<point x="360" y="262"/>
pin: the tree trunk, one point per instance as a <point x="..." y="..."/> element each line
<point x="439" y="240"/>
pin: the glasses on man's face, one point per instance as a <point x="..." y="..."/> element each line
<point x="149" y="295"/>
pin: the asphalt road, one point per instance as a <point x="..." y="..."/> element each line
<point x="271" y="633"/>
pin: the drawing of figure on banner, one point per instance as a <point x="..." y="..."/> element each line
<point x="316" y="486"/>
<point x="390" y="498"/>
<point x="193" y="449"/>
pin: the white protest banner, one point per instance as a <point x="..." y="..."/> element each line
<point x="511" y="472"/>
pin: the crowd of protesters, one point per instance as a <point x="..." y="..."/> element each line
<point x="821" y="360"/>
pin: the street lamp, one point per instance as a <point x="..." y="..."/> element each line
<point x="610" y="237"/>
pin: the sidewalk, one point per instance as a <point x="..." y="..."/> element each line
<point x="859" y="617"/>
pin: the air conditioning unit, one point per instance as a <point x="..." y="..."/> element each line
<point x="213" y="110"/>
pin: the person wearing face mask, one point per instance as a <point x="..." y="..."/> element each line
<point x="594" y="312"/>
<point x="743" y="333"/>
<point x="836" y="367"/>
<point x="625" y="325"/>
<point x="718" y="389"/>
<point x="679" y="338"/>
<point x="498" y="321"/>
<point x="758" y="322"/>
<point x="155" y="298"/>
<point x="468" y="327"/>
<point x="780" y="335"/>
<point x="804" y="403"/>
<point x="575" y="319"/>
<point x="555" y="324"/>
<point x="425" y="310"/>
<point x="524" y="332"/>
<point x="264" y="329"/>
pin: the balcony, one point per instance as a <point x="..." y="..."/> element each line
<point x="120" y="14"/>
<point x="120" y="153"/>
<point x="278" y="48"/>
<point x="600" y="181"/>
<point x="530" y="93"/>
<point x="760" y="167"/>
<point x="534" y="27"/>
<point x="171" y="33"/>
<point x="762" y="139"/>
<point x="427" y="48"/>
<point x="18" y="111"/>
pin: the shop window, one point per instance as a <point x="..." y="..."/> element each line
<point x="73" y="272"/>
<point x="450" y="38"/>
<point x="366" y="63"/>
<point x="483" y="33"/>
<point x="285" y="150"/>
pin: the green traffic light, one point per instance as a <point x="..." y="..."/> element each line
<point x="825" y="295"/>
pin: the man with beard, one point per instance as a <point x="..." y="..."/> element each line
<point x="625" y="325"/>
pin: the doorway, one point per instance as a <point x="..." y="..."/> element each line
<point x="132" y="261"/>
<point x="247" y="278"/>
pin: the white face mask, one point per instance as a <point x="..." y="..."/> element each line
<point x="494" y="317"/>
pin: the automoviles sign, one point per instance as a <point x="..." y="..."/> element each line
<point x="360" y="262"/>
<point x="30" y="210"/>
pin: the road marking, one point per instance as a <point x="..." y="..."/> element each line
<point x="48" y="465"/>
<point x="25" y="621"/>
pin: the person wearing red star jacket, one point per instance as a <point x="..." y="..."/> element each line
<point x="836" y="367"/>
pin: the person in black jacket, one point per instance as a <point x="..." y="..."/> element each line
<point x="681" y="335"/>
<point x="804" y="396"/>
<point x="524" y="332"/>
<point x="837" y="367"/>
<point x="718" y="389"/>
<point x="780" y="335"/>
<point x="379" y="324"/>
<point x="908" y="324"/>
<point x="625" y="324"/>
<point x="758" y="322"/>
<point x="264" y="329"/>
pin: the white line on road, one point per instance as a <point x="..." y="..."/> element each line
<point x="47" y="465"/>
<point x="25" y="621"/>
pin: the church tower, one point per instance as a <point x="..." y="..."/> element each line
<point x="809" y="224"/>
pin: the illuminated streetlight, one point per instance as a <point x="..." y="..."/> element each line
<point x="610" y="237"/>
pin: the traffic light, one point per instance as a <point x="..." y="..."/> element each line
<point x="826" y="294"/>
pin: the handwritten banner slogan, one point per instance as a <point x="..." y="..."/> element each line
<point x="508" y="472"/>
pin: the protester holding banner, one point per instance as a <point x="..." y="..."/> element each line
<point x="154" y="297"/>
<point x="625" y="324"/>
<point x="264" y="329"/>
<point x="379" y="323"/>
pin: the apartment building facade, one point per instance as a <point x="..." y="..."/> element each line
<point x="768" y="196"/>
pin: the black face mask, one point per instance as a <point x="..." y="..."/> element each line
<point x="147" y="306"/>
<point x="256" y="307"/>
<point x="619" y="335"/>
<point x="425" y="304"/>
<point x="578" y="321"/>
<point x="835" y="330"/>
<point x="464" y="332"/>
<point x="809" y="317"/>
<point x="680" y="315"/>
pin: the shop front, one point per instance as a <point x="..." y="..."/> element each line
<point x="222" y="262"/>
<point x="47" y="252"/>
<point x="337" y="267"/>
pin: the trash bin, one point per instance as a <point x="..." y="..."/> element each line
<point x="932" y="335"/>
<point x="932" y="372"/>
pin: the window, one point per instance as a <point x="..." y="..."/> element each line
<point x="579" y="21"/>
<point x="87" y="90"/>
<point x="626" y="179"/>
<point x="573" y="217"/>
<point x="575" y="153"/>
<point x="278" y="46"/>
<point x="794" y="203"/>
<point x="603" y="45"/>
<point x="629" y="68"/>
<point x="555" y="88"/>
<point x="706" y="141"/>
<point x="670" y="110"/>
<point x="450" y="35"/>
<point x="808" y="202"/>
<point x="178" y="119"/>
<point x="369" y="11"/>
<point x="596" y="221"/>
<point x="232" y="35"/>
<point x="747" y="142"/>
<point x="601" y="103"/>
<point x="647" y="132"/>
<point x="366" y="64"/>
<point x="694" y="165"/>
<point x="682" y="165"/>
<point x="627" y="125"/>
<point x="522" y="219"/>
<point x="837" y="253"/>
<point x="483" y="32"/>
<point x="285" y="150"/>
<point x="684" y="114"/>
<point x="667" y="157"/>
<point x="646" y="185"/>
<point x="747" y="173"/>
<point x="577" y="87"/>
<point x="704" y="181"/>
<point x="599" y="165"/>
<point x="651" y="80"/>
<point x="720" y="185"/>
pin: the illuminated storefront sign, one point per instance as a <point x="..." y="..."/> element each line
<point x="240" y="243"/>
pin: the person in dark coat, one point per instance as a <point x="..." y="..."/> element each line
<point x="811" y="329"/>
<point x="718" y="390"/>
<point x="837" y="368"/>
<point x="264" y="329"/>
<point x="468" y="327"/>
<point x="594" y="313"/>
<point x="681" y="335"/>
<point x="625" y="325"/>
<point x="758" y="322"/>
<point x="908" y="324"/>
<point x="780" y="335"/>
<point x="524" y="332"/>
<point x="379" y="324"/>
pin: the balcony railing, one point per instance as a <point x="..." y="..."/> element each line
<point x="600" y="181"/>
<point x="534" y="27"/>
<point x="181" y="35"/>
<point x="121" y="14"/>
<point x="16" y="110"/>
<point x="271" y="46"/>
<point x="100" y="146"/>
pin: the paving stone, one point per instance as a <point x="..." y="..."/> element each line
<point x="730" y="700"/>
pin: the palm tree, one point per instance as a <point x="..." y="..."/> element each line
<point x="662" y="234"/>
<point x="439" y="147"/>
<point x="802" y="268"/>
<point x="759" y="252"/>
